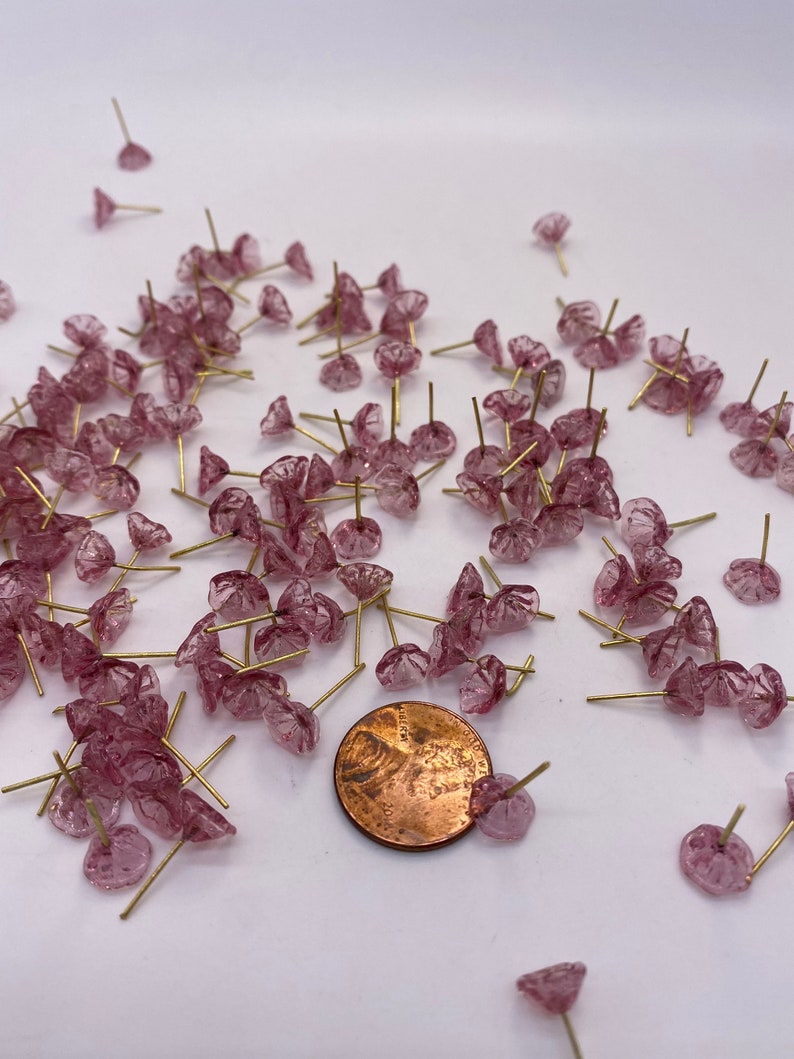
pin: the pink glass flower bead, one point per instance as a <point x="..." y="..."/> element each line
<point x="122" y="863"/>
<point x="715" y="869"/>
<point x="483" y="685"/>
<point x="292" y="726"/>
<point x="550" y="228"/>
<point x="752" y="582"/>
<point x="555" y="988"/>
<point x="357" y="538"/>
<point x="7" y="303"/>
<point x="133" y="156"/>
<point x="505" y="819"/>
<point x="403" y="666"/>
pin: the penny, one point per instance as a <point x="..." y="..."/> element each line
<point x="403" y="774"/>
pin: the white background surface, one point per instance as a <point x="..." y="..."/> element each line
<point x="432" y="137"/>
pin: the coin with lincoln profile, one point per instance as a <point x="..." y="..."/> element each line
<point x="404" y="772"/>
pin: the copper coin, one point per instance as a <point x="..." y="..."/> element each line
<point x="404" y="774"/>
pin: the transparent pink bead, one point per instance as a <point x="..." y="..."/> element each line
<point x="553" y="384"/>
<point x="246" y="695"/>
<point x="550" y="228"/>
<point x="482" y="491"/>
<point x="145" y="534"/>
<point x="133" y="156"/>
<point x="110" y="615"/>
<point x="630" y="336"/>
<point x="272" y="305"/>
<point x="319" y="478"/>
<point x="704" y="384"/>
<point x="598" y="352"/>
<point x="351" y="462"/>
<point x="286" y="470"/>
<point x="522" y="492"/>
<point x="489" y="459"/>
<point x="237" y="594"/>
<point x="767" y="699"/>
<point x="364" y="580"/>
<point x="275" y="641"/>
<point x="395" y="452"/>
<point x="577" y="428"/>
<point x="246" y="255"/>
<point x="212" y="468"/>
<point x="507" y="405"/>
<point x="647" y="603"/>
<point x="751" y="582"/>
<point x="468" y="626"/>
<point x="158" y="806"/>
<point x="526" y="353"/>
<point x="404" y="306"/>
<point x="653" y="563"/>
<point x="304" y="530"/>
<point x="12" y="667"/>
<point x="67" y="811"/>
<point x="7" y="303"/>
<point x="329" y="625"/>
<point x="432" y="441"/>
<point x="578" y="322"/>
<point x="123" y="863"/>
<point x="48" y="548"/>
<point x="71" y="469"/>
<point x="579" y="480"/>
<point x="403" y="666"/>
<point x="523" y="434"/>
<point x="390" y="282"/>
<point x="277" y="419"/>
<point x="512" y="607"/>
<point x="78" y="653"/>
<point x="483" y="685"/>
<point x="468" y="586"/>
<point x="643" y="522"/>
<point x="341" y="373"/>
<point x="725" y="683"/>
<point x="661" y="650"/>
<point x="684" y="690"/>
<point x="104" y="208"/>
<point x="763" y="424"/>
<point x="297" y="603"/>
<point x="106" y="678"/>
<point x="715" y="869"/>
<point x="122" y="432"/>
<point x="486" y="339"/>
<point x="555" y="988"/>
<point x="603" y="501"/>
<point x="784" y="473"/>
<point x="615" y="583"/>
<point x="116" y="486"/>
<point x="395" y="359"/>
<point x="696" y="622"/>
<point x="667" y="395"/>
<point x="278" y="562"/>
<point x="515" y="541"/>
<point x="321" y="560"/>
<point x="367" y="424"/>
<point x="295" y="256"/>
<point x="200" y="822"/>
<point x="668" y="351"/>
<point x="357" y="538"/>
<point x="95" y="555"/>
<point x="741" y="417"/>
<point x="445" y="651"/>
<point x="292" y="725"/>
<point x="226" y="509"/>
<point x="559" y="524"/>
<point x="505" y="819"/>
